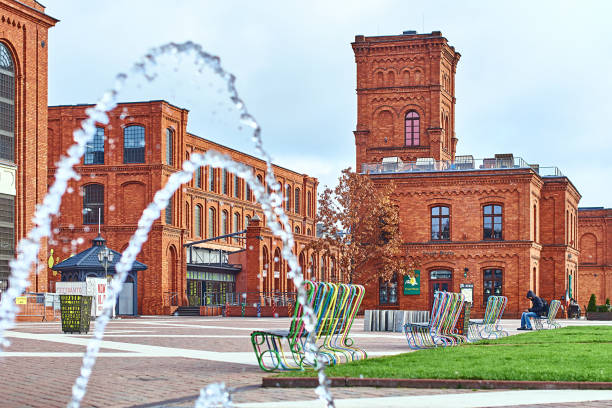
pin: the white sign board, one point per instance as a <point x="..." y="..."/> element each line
<point x="96" y="287"/>
<point x="71" y="288"/>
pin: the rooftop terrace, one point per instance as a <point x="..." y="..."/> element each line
<point x="394" y="165"/>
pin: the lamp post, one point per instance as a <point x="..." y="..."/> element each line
<point x="105" y="256"/>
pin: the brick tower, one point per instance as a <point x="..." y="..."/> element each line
<point x="405" y="97"/>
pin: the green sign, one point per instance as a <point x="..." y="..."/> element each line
<point x="76" y="313"/>
<point x="412" y="283"/>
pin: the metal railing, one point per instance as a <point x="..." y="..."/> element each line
<point x="171" y="299"/>
<point x="461" y="163"/>
<point x="243" y="298"/>
<point x="39" y="305"/>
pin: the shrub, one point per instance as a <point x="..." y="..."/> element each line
<point x="608" y="301"/>
<point x="592" y="305"/>
<point x="602" y="308"/>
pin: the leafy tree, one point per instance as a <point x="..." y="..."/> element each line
<point x="591" y="307"/>
<point x="359" y="224"/>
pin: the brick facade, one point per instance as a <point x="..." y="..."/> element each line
<point x="128" y="188"/>
<point x="536" y="249"/>
<point x="595" y="226"/>
<point x="23" y="31"/>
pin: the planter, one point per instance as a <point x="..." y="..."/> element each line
<point x="599" y="315"/>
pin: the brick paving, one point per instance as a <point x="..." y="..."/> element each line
<point x="163" y="362"/>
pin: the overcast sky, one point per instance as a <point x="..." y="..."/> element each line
<point x="534" y="78"/>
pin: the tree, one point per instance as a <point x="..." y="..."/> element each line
<point x="592" y="304"/>
<point x="359" y="224"/>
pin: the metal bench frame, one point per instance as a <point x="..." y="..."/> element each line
<point x="550" y="320"/>
<point x="489" y="327"/>
<point x="440" y="330"/>
<point x="335" y="307"/>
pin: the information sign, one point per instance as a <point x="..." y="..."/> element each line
<point x="412" y="283"/>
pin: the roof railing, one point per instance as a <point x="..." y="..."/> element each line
<point x="461" y="163"/>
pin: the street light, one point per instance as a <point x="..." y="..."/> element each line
<point x="105" y="256"/>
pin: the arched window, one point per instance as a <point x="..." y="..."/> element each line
<point x="312" y="267"/>
<point x="212" y="223"/>
<point x="323" y="268"/>
<point x="278" y="259"/>
<point x="492" y="284"/>
<point x="297" y="230"/>
<point x="224" y="228"/>
<point x="224" y="182"/>
<point x="134" y="144"/>
<point x="412" y="129"/>
<point x="308" y="232"/>
<point x="297" y="200"/>
<point x="95" y="149"/>
<point x="309" y="204"/>
<point x="288" y="198"/>
<point x="93" y="204"/>
<point x="236" y="226"/>
<point x="332" y="269"/>
<point x="197" y="221"/>
<point x="247" y="220"/>
<point x="7" y="105"/>
<point x="492" y="221"/>
<point x="535" y="223"/>
<point x="169" y="146"/>
<point x="440" y="223"/>
<point x="169" y="212"/>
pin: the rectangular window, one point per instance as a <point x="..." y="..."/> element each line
<point x="224" y="182"/>
<point x="211" y="179"/>
<point x="237" y="186"/>
<point x="95" y="148"/>
<point x="169" y="212"/>
<point x="440" y="223"/>
<point x="387" y="293"/>
<point x="492" y="284"/>
<point x="492" y="221"/>
<point x="198" y="178"/>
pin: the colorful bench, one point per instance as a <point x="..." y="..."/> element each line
<point x="489" y="327"/>
<point x="550" y="320"/>
<point x="440" y="330"/>
<point x="335" y="307"/>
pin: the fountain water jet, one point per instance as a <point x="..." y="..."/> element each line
<point x="277" y="220"/>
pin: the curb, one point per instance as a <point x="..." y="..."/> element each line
<point x="309" y="382"/>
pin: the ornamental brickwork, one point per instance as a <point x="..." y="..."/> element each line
<point x="595" y="226"/>
<point x="23" y="127"/>
<point x="496" y="225"/>
<point x="129" y="187"/>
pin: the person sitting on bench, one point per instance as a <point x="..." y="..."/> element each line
<point x="533" y="311"/>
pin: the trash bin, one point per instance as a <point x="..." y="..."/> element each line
<point x="76" y="313"/>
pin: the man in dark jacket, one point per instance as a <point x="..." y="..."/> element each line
<point x="533" y="311"/>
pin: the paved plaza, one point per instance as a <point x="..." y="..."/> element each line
<point x="165" y="361"/>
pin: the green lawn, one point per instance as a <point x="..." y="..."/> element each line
<point x="568" y="354"/>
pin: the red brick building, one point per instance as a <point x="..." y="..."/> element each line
<point x="495" y="225"/>
<point x="129" y="160"/>
<point x="23" y="125"/>
<point x="595" y="226"/>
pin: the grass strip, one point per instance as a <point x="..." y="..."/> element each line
<point x="534" y="356"/>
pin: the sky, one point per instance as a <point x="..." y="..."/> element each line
<point x="534" y="78"/>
